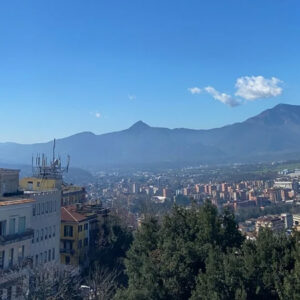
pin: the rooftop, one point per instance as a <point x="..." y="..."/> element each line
<point x="6" y="201"/>
<point x="71" y="214"/>
<point x="72" y="188"/>
<point x="8" y="171"/>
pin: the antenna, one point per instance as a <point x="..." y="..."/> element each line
<point x="54" y="144"/>
<point x="68" y="163"/>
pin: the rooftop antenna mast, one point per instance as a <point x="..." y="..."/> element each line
<point x="54" y="144"/>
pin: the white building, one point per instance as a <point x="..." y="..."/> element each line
<point x="46" y="225"/>
<point x="283" y="184"/>
<point x="9" y="181"/>
<point x="16" y="234"/>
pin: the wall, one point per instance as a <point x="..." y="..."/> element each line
<point x="16" y="211"/>
<point x="46" y="225"/>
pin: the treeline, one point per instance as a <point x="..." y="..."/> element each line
<point x="198" y="253"/>
<point x="191" y="253"/>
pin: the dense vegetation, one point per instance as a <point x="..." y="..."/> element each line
<point x="199" y="254"/>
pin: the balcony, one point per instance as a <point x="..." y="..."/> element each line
<point x="17" y="237"/>
<point x="67" y="251"/>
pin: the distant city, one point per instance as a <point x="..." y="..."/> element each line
<point x="44" y="220"/>
<point x="149" y="150"/>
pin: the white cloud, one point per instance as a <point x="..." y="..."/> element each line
<point x="131" y="97"/>
<point x="194" y="90"/>
<point x="96" y="114"/>
<point x="222" y="97"/>
<point x="255" y="87"/>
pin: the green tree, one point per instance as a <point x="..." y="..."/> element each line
<point x="142" y="264"/>
<point x="114" y="241"/>
<point x="164" y="261"/>
<point x="222" y="278"/>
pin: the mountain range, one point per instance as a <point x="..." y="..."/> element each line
<point x="272" y="135"/>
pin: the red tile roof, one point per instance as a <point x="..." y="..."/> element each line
<point x="69" y="214"/>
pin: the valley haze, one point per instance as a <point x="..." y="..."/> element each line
<point x="274" y="134"/>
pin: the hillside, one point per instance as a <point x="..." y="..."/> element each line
<point x="273" y="134"/>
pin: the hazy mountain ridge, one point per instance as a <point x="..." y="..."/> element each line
<point x="273" y="133"/>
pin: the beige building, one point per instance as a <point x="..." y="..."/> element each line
<point x="275" y="223"/>
<point x="72" y="194"/>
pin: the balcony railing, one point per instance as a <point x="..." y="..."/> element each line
<point x="13" y="238"/>
<point x="67" y="251"/>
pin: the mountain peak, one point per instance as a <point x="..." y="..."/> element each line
<point x="285" y="106"/>
<point x="278" y="115"/>
<point x="140" y="125"/>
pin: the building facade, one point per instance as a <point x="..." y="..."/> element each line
<point x="46" y="225"/>
<point x="72" y="194"/>
<point x="77" y="233"/>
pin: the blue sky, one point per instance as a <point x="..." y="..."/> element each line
<point x="100" y="66"/>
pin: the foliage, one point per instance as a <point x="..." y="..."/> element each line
<point x="166" y="258"/>
<point x="114" y="240"/>
<point x="198" y="253"/>
<point x="54" y="282"/>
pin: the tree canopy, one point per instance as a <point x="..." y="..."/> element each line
<point x="198" y="253"/>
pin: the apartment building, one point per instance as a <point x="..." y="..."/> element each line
<point x="46" y="224"/>
<point x="275" y="223"/>
<point x="72" y="194"/>
<point x="77" y="232"/>
<point x="16" y="234"/>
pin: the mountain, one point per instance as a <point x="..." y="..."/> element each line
<point x="273" y="134"/>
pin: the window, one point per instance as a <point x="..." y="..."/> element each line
<point x="41" y="257"/>
<point x="9" y="293"/>
<point x="22" y="224"/>
<point x="19" y="291"/>
<point x="36" y="259"/>
<point x="12" y="226"/>
<point x="79" y="244"/>
<point x="38" y="209"/>
<point x="47" y="205"/>
<point x="2" y="257"/>
<point x="68" y="230"/>
<point x="3" y="228"/>
<point x="37" y="236"/>
<point x="30" y="185"/>
<point x="38" y="184"/>
<point x="53" y="253"/>
<point x="50" y="206"/>
<point x="49" y="255"/>
<point x="54" y="205"/>
<point x="67" y="260"/>
<point x="79" y="228"/>
<point x="86" y="226"/>
<point x="68" y="245"/>
<point x="42" y="234"/>
<point x="33" y="209"/>
<point x="21" y="253"/>
<point x="50" y="232"/>
<point x="86" y="241"/>
<point x="45" y="256"/>
<point x="11" y="257"/>
<point x="43" y="208"/>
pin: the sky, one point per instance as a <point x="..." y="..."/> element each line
<point x="100" y="66"/>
